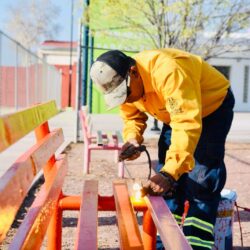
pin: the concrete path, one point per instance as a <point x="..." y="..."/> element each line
<point x="240" y="132"/>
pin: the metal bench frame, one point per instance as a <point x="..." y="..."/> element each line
<point x="46" y="213"/>
<point x="100" y="140"/>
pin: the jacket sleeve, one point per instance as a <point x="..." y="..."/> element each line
<point x="134" y="122"/>
<point x="182" y="97"/>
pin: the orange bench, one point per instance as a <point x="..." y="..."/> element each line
<point x="45" y="214"/>
<point x="16" y="182"/>
<point x="99" y="141"/>
<point x="156" y="217"/>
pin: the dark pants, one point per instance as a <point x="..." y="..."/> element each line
<point x="202" y="186"/>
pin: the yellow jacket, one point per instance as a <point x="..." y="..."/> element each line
<point x="179" y="89"/>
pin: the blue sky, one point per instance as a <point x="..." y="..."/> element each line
<point x="64" y="18"/>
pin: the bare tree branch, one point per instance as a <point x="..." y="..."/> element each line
<point x="33" y="21"/>
<point x="181" y="24"/>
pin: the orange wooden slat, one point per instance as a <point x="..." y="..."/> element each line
<point x="31" y="232"/>
<point x="87" y="223"/>
<point x="129" y="233"/>
<point x="15" y="126"/>
<point x="171" y="235"/>
<point x="15" y="183"/>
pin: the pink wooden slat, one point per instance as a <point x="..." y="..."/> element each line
<point x="87" y="223"/>
<point x="84" y="127"/>
<point x="31" y="232"/>
<point x="171" y="234"/>
<point x="129" y="233"/>
<point x="15" y="183"/>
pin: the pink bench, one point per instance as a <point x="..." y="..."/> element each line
<point x="99" y="141"/>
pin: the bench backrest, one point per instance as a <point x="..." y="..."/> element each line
<point x="86" y="124"/>
<point x="101" y="137"/>
<point x="16" y="182"/>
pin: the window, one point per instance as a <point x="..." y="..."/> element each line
<point x="246" y="84"/>
<point x="225" y="70"/>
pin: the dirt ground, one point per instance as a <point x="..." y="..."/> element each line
<point x="104" y="170"/>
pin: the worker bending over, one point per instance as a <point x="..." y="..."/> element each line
<point x="195" y="104"/>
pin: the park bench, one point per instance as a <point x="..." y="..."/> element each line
<point x="44" y="217"/>
<point x="99" y="140"/>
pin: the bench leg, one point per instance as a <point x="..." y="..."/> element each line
<point x="86" y="160"/>
<point x="54" y="231"/>
<point x="116" y="156"/>
<point x="149" y="231"/>
<point x="121" y="169"/>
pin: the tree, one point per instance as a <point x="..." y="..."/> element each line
<point x="31" y="22"/>
<point x="205" y="27"/>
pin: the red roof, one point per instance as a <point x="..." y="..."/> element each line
<point x="59" y="44"/>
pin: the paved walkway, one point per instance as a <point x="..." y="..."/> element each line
<point x="240" y="132"/>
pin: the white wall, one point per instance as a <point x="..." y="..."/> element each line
<point x="237" y="64"/>
<point x="59" y="59"/>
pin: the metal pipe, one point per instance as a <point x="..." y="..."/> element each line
<point x="54" y="231"/>
<point x="85" y="60"/>
<point x="90" y="80"/>
<point x="105" y="203"/>
<point x="149" y="231"/>
<point x="78" y="101"/>
<point x="71" y="52"/>
<point x="70" y="202"/>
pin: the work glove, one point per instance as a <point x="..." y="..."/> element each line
<point x="160" y="184"/>
<point x="129" y="151"/>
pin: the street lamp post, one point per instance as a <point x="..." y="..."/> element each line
<point x="90" y="80"/>
<point x="71" y="52"/>
<point x="85" y="60"/>
<point x="155" y="127"/>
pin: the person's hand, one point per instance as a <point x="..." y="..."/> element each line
<point x="129" y="151"/>
<point x="159" y="184"/>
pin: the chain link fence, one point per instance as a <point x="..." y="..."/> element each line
<point x="25" y="79"/>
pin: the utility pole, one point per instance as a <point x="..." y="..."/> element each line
<point x="85" y="59"/>
<point x="90" y="80"/>
<point x="71" y="52"/>
<point x="155" y="128"/>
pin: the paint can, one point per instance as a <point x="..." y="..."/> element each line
<point x="223" y="230"/>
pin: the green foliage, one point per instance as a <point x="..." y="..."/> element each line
<point x="200" y="26"/>
<point x="192" y="25"/>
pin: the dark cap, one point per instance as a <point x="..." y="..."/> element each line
<point x="110" y="74"/>
<point x="117" y="60"/>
